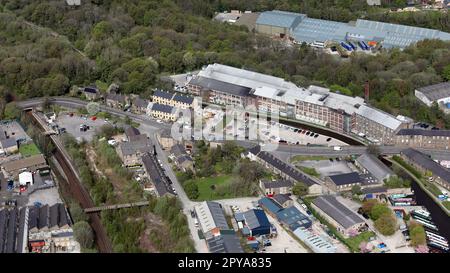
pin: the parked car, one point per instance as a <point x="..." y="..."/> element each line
<point x="329" y="139"/>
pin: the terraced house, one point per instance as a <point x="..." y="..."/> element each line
<point x="421" y="138"/>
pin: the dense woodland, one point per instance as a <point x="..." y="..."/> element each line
<point x="46" y="47"/>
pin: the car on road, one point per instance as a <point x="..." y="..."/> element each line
<point x="316" y="135"/>
<point x="159" y="121"/>
<point x="307" y="133"/>
<point x="328" y="139"/>
<point x="304" y="206"/>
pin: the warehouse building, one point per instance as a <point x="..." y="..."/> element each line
<point x="269" y="206"/>
<point x="311" y="31"/>
<point x="346" y="222"/>
<point x="256" y="221"/>
<point x="424" y="163"/>
<point x="344" y="182"/>
<point x="436" y="93"/>
<point x="211" y="218"/>
<point x="421" y="138"/>
<point x="292" y="218"/>
<point x="371" y="165"/>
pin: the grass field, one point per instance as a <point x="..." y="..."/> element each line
<point x="308" y="157"/>
<point x="29" y="149"/>
<point x="204" y="187"/>
<point x="310" y="171"/>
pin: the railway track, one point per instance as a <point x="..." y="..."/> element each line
<point x="81" y="195"/>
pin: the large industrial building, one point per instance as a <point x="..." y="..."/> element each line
<point x="421" y="138"/>
<point x="436" y="93"/>
<point x="303" y="29"/>
<point x="225" y="85"/>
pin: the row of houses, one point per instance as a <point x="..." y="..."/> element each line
<point x="225" y="85"/>
<point x="425" y="164"/>
<point x="165" y="105"/>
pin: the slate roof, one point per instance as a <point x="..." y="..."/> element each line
<point x="423" y="132"/>
<point x="427" y="163"/>
<point x="221" y="86"/>
<point x="374" y="190"/>
<point x="281" y="198"/>
<point x="43" y="217"/>
<point x="90" y="89"/>
<point x="162" y="108"/>
<point x="116" y="97"/>
<point x="133" y="147"/>
<point x="158" y="181"/>
<point x="436" y="91"/>
<point x="346" y="178"/>
<point x="282" y="183"/>
<point x="183" y="98"/>
<point x="178" y="150"/>
<point x="336" y="210"/>
<point x="141" y="103"/>
<point x="8" y="142"/>
<point x="27" y="162"/>
<point x="163" y="94"/>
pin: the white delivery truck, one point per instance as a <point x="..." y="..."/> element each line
<point x="337" y="148"/>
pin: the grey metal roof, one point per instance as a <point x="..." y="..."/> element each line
<point x="423" y="132"/>
<point x="436" y="91"/>
<point x="282" y="183"/>
<point x="163" y="94"/>
<point x="427" y="163"/>
<point x="183" y="98"/>
<point x="336" y="210"/>
<point x="21" y="235"/>
<point x="3" y="221"/>
<point x="256" y="218"/>
<point x="162" y="108"/>
<point x="221" y="86"/>
<point x="346" y="178"/>
<point x="281" y="198"/>
<point x="33" y="216"/>
<point x="63" y="218"/>
<point x="279" y="18"/>
<point x="217" y="214"/>
<point x="374" y="166"/>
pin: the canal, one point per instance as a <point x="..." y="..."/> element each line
<point x="440" y="218"/>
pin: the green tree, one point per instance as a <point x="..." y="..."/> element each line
<point x="300" y="189"/>
<point x="191" y="189"/>
<point x="368" y="205"/>
<point x="83" y="234"/>
<point x="417" y="234"/>
<point x="446" y="72"/>
<point x="356" y="190"/>
<point x="386" y="224"/>
<point x="11" y="111"/>
<point x="378" y="210"/>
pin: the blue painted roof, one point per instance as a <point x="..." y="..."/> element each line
<point x="304" y="29"/>
<point x="270" y="205"/>
<point x="256" y="218"/>
<point x="292" y="216"/>
<point x="280" y="18"/>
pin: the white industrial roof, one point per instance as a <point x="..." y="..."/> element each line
<point x="379" y="116"/>
<point x="25" y="177"/>
<point x="210" y="216"/>
<point x="243" y="77"/>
